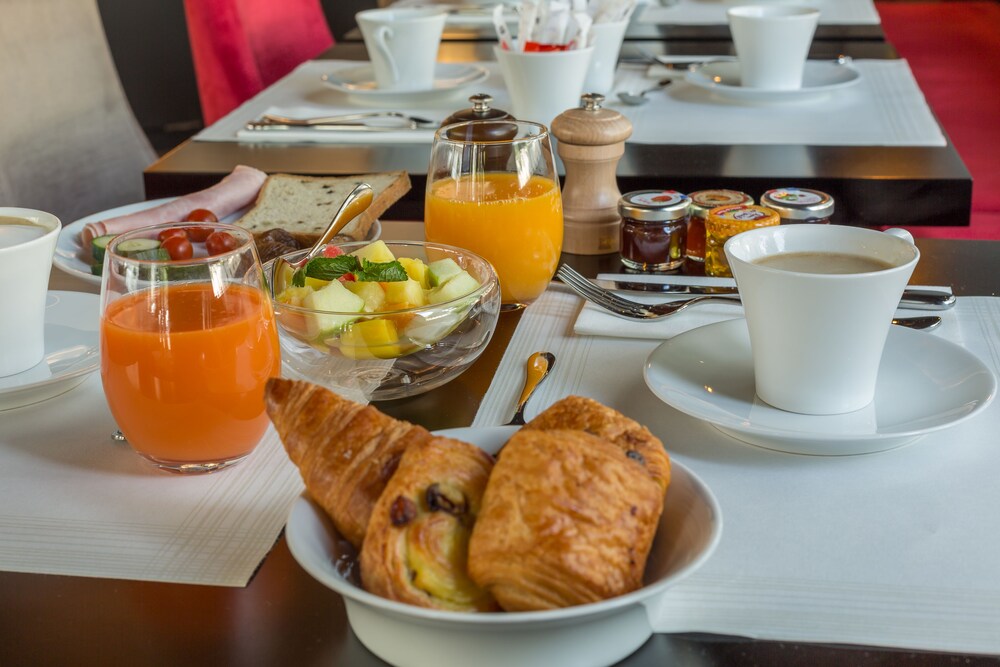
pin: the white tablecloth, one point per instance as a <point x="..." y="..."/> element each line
<point x="713" y="12"/>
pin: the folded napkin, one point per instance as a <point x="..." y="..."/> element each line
<point x="892" y="549"/>
<point x="699" y="12"/>
<point x="303" y="94"/>
<point x="74" y="502"/>
<point x="885" y="108"/>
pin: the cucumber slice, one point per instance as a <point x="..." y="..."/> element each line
<point x="156" y="255"/>
<point x="98" y="246"/>
<point x="130" y="247"/>
<point x="97" y="268"/>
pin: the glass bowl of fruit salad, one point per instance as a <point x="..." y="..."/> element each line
<point x="383" y="320"/>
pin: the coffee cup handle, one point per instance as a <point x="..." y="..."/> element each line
<point x="381" y="35"/>
<point x="900" y="234"/>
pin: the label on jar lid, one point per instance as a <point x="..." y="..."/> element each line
<point x="656" y="198"/>
<point x="716" y="198"/>
<point x="796" y="196"/>
<point x="742" y="213"/>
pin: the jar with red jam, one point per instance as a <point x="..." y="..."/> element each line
<point x="799" y="205"/>
<point x="702" y="202"/>
<point x="725" y="222"/>
<point x="653" y="230"/>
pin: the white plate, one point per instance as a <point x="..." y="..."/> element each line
<point x="593" y="634"/>
<point x="71" y="351"/>
<point x="925" y="384"/>
<point x="359" y="82"/>
<point x="72" y="258"/>
<point x="819" y="79"/>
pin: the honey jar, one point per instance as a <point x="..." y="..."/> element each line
<point x="799" y="205"/>
<point x="702" y="202"/>
<point x="653" y="230"/>
<point x="725" y="222"/>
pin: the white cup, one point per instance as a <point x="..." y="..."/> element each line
<point x="402" y="45"/>
<point x="606" y="39"/>
<point x="27" y="243"/>
<point x="772" y="42"/>
<point x="543" y="84"/>
<point x="817" y="338"/>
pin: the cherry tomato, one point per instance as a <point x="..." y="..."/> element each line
<point x="169" y="233"/>
<point x="332" y="251"/>
<point x="199" y="234"/>
<point x="220" y="242"/>
<point x="201" y="215"/>
<point x="178" y="246"/>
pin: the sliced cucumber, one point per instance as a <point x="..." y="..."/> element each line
<point x="98" y="246"/>
<point x="155" y="255"/>
<point x="97" y="268"/>
<point x="130" y="247"/>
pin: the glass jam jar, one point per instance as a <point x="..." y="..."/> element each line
<point x="728" y="221"/>
<point x="654" y="229"/>
<point x="702" y="202"/>
<point x="799" y="205"/>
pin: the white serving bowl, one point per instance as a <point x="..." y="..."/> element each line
<point x="595" y="634"/>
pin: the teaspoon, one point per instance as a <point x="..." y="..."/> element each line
<point x="539" y="365"/>
<point x="635" y="99"/>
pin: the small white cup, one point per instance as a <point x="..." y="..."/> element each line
<point x="817" y="338"/>
<point x="543" y="84"/>
<point x="772" y="42"/>
<point x="25" y="262"/>
<point x="606" y="39"/>
<point x="402" y="45"/>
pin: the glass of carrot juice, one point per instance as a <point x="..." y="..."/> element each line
<point x="492" y="188"/>
<point x="188" y="340"/>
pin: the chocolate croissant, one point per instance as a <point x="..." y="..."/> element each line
<point x="568" y="518"/>
<point x="345" y="451"/>
<point x="584" y="414"/>
<point x="416" y="547"/>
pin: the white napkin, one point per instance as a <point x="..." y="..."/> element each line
<point x="885" y="108"/>
<point x="699" y="12"/>
<point x="891" y="549"/>
<point x="302" y="94"/>
<point x="74" y="502"/>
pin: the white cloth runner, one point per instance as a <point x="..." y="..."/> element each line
<point x="74" y="502"/>
<point x="892" y="549"/>
<point x="712" y="12"/>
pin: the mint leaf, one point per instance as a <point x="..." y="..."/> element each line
<point x="382" y="272"/>
<point x="299" y="278"/>
<point x="331" y="268"/>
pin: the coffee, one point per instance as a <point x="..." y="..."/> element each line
<point x="823" y="262"/>
<point x="15" y="231"/>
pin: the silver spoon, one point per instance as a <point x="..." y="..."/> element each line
<point x="926" y="323"/>
<point x="539" y="365"/>
<point x="636" y="99"/>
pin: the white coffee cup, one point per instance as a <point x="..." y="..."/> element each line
<point x="543" y="84"/>
<point x="772" y="42"/>
<point x="817" y="338"/>
<point x="27" y="243"/>
<point x="402" y="45"/>
<point x="606" y="39"/>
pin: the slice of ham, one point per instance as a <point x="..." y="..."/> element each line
<point x="237" y="190"/>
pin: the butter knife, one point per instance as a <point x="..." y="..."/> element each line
<point x="915" y="298"/>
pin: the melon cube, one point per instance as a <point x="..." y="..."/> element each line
<point x="371" y="339"/>
<point x="376" y="251"/>
<point x="455" y="287"/>
<point x="404" y="294"/>
<point x="416" y="269"/>
<point x="336" y="298"/>
<point x="371" y="292"/>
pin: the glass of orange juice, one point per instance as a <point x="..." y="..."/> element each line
<point x="188" y="341"/>
<point x="492" y="188"/>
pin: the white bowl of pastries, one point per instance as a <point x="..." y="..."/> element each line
<point x="449" y="552"/>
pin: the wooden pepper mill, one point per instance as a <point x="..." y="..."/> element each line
<point x="591" y="140"/>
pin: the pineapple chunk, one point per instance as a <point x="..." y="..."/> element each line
<point x="372" y="293"/>
<point x="293" y="296"/>
<point x="376" y="251"/>
<point x="404" y="294"/>
<point x="371" y="339"/>
<point x="416" y="269"/>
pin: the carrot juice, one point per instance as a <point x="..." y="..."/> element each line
<point x="184" y="370"/>
<point x="518" y="228"/>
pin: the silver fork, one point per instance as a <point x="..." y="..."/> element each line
<point x="628" y="309"/>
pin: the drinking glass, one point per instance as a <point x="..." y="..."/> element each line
<point x="492" y="188"/>
<point x="187" y="347"/>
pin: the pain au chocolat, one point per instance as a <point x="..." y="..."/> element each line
<point x="345" y="451"/>
<point x="568" y="518"/>
<point x="416" y="547"/>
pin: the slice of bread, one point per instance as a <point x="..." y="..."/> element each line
<point x="304" y="205"/>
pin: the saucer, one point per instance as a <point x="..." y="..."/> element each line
<point x="71" y="351"/>
<point x="359" y="82"/>
<point x="925" y="384"/>
<point x="819" y="79"/>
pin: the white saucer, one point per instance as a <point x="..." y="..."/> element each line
<point x="819" y="79"/>
<point x="72" y="258"/>
<point x="925" y="384"/>
<point x="359" y="82"/>
<point x="72" y="351"/>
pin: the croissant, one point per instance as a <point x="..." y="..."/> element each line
<point x="416" y="547"/>
<point x="584" y="414"/>
<point x="345" y="451"/>
<point x="568" y="518"/>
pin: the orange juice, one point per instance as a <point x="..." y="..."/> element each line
<point x="519" y="229"/>
<point x="184" y="370"/>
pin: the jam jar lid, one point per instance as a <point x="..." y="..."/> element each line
<point x="744" y="213"/>
<point x="654" y="205"/>
<point x="704" y="201"/>
<point x="798" y="203"/>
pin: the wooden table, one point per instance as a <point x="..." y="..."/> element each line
<point x="284" y="617"/>
<point x="872" y="185"/>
